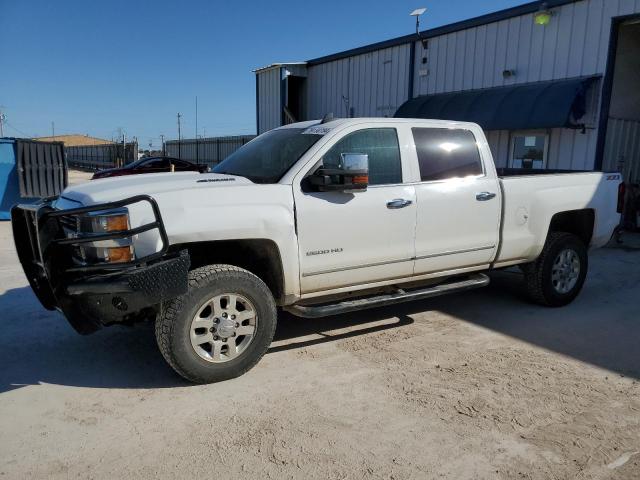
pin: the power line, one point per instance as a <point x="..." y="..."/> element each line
<point x="16" y="129"/>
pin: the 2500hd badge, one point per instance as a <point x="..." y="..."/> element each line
<point x="324" y="252"/>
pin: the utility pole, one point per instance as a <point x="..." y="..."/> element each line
<point x="197" y="149"/>
<point x="179" y="135"/>
<point x="124" y="149"/>
<point x="162" y="142"/>
<point x="3" y="117"/>
<point x="53" y="129"/>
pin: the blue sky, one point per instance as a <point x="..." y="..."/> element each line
<point x="95" y="66"/>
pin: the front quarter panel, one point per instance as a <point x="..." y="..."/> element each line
<point x="241" y="212"/>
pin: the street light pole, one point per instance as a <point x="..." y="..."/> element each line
<point x="197" y="146"/>
<point x="179" y="136"/>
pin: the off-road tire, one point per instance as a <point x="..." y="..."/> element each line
<point x="173" y="325"/>
<point x="538" y="274"/>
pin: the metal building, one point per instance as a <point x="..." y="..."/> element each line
<point x="555" y="84"/>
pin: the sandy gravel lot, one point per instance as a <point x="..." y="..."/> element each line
<point x="476" y="385"/>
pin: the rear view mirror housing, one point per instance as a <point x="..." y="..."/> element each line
<point x="351" y="175"/>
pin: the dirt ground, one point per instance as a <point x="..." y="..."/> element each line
<point x="476" y="385"/>
<point x="79" y="176"/>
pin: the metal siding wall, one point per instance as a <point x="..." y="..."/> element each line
<point x="269" y="99"/>
<point x="574" y="44"/>
<point x="375" y="84"/>
<point x="622" y="150"/>
<point x="499" y="143"/>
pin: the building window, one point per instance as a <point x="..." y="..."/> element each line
<point x="380" y="144"/>
<point x="529" y="150"/>
<point x="446" y="153"/>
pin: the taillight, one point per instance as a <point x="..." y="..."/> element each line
<point x="622" y="189"/>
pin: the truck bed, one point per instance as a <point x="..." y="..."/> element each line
<point x="531" y="199"/>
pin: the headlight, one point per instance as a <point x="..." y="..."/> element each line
<point x="107" y="222"/>
<point x="118" y="250"/>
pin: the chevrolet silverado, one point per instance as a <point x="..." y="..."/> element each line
<point x="315" y="218"/>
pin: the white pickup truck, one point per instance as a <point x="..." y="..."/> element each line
<point x="316" y="218"/>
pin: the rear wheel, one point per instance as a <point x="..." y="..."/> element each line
<point x="557" y="276"/>
<point x="220" y="328"/>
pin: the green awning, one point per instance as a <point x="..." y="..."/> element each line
<point x="558" y="103"/>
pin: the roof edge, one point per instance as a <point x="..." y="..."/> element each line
<point x="505" y="14"/>
<point x="276" y="65"/>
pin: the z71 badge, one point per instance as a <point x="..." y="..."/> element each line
<point x="324" y="252"/>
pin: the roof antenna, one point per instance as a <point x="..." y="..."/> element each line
<point x="327" y="118"/>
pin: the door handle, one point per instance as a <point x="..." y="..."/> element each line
<point x="484" y="196"/>
<point x="398" y="203"/>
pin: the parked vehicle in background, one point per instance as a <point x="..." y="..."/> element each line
<point x="316" y="218"/>
<point x="152" y="165"/>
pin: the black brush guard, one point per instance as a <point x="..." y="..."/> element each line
<point x="91" y="296"/>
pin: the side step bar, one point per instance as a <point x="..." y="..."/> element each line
<point x="316" y="311"/>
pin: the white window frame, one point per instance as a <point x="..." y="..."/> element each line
<point x="529" y="133"/>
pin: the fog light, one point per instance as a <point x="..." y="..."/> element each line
<point x="118" y="254"/>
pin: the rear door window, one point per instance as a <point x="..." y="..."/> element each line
<point x="446" y="153"/>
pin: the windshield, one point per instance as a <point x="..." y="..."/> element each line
<point x="268" y="157"/>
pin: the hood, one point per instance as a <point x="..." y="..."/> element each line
<point x="119" y="188"/>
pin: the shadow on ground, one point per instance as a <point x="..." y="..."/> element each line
<point x="38" y="346"/>
<point x="601" y="328"/>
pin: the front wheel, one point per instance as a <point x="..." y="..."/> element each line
<point x="557" y="276"/>
<point x="220" y="328"/>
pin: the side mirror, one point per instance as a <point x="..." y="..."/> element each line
<point x="351" y="175"/>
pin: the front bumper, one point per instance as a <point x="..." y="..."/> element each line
<point x="94" y="295"/>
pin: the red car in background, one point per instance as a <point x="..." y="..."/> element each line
<point x="152" y="165"/>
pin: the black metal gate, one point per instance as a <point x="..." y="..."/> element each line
<point x="41" y="167"/>
<point x="96" y="157"/>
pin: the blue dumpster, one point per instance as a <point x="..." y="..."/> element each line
<point x="29" y="171"/>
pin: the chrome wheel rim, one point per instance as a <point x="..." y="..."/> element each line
<point x="223" y="327"/>
<point x="565" y="271"/>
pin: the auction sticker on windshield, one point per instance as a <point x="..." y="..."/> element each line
<point x="317" y="130"/>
